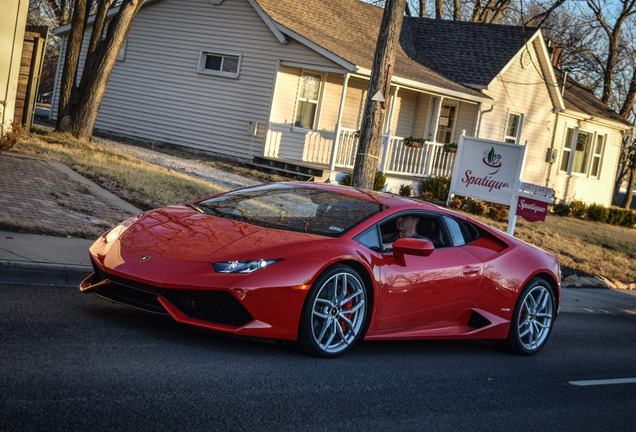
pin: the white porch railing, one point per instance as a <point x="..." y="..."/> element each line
<point x="428" y="160"/>
<point x="395" y="158"/>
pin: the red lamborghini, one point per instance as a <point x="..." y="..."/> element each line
<point x="329" y="265"/>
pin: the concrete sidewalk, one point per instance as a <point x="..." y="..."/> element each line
<point x="39" y="195"/>
<point x="43" y="259"/>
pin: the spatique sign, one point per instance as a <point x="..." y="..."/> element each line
<point x="487" y="170"/>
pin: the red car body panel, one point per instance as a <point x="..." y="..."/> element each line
<point x="419" y="297"/>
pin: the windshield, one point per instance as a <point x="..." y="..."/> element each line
<point x="292" y="208"/>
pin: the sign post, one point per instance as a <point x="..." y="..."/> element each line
<point x="491" y="171"/>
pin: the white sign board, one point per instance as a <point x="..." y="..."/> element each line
<point x="487" y="170"/>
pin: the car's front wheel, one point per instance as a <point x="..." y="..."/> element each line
<point x="335" y="312"/>
<point x="533" y="318"/>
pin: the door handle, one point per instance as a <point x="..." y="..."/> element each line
<point x="468" y="271"/>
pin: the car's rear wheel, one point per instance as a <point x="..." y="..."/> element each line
<point x="533" y="318"/>
<point x="335" y="312"/>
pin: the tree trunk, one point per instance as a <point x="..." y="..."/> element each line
<point x="71" y="59"/>
<point x="423" y="8"/>
<point x="365" y="167"/>
<point x="94" y="85"/>
<point x="627" y="201"/>
<point x="439" y="9"/>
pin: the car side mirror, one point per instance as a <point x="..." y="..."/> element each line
<point x="411" y="246"/>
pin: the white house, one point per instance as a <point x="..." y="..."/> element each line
<point x="284" y="82"/>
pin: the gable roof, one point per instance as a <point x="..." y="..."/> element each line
<point x="581" y="99"/>
<point x="349" y="30"/>
<point x="468" y="53"/>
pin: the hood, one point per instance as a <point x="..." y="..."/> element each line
<point x="178" y="232"/>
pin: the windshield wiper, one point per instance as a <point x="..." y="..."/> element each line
<point x="195" y="207"/>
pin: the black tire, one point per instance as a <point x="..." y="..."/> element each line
<point x="334" y="315"/>
<point x="532" y="319"/>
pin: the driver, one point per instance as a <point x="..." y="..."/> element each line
<point x="406" y="228"/>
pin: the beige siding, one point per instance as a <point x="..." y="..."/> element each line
<point x="523" y="90"/>
<point x="405" y="109"/>
<point x="569" y="187"/>
<point x="422" y="113"/>
<point x="157" y="94"/>
<point x="354" y="103"/>
<point x="467" y="114"/>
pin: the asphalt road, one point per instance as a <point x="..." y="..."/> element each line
<point x="74" y="362"/>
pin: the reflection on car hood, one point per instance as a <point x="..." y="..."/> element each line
<point x="181" y="233"/>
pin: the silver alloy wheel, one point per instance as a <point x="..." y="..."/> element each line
<point x="535" y="318"/>
<point x="338" y="312"/>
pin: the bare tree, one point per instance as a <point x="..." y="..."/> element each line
<point x="613" y="32"/>
<point x="71" y="59"/>
<point x="439" y="9"/>
<point x="79" y="106"/>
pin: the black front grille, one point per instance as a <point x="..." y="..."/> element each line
<point x="218" y="307"/>
<point x="215" y="306"/>
<point x="131" y="296"/>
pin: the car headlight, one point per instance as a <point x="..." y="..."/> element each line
<point x="117" y="231"/>
<point x="242" y="266"/>
<point x="114" y="233"/>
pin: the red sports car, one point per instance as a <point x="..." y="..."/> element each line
<point x="326" y="266"/>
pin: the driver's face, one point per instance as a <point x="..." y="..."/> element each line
<point x="407" y="223"/>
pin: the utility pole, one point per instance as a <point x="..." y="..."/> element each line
<point x="375" y="108"/>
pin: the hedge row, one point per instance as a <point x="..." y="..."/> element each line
<point x="596" y="213"/>
<point x="438" y="187"/>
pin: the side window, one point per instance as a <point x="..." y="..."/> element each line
<point x="460" y="232"/>
<point x="513" y="127"/>
<point x="370" y="238"/>
<point x="414" y="225"/>
<point x="219" y="63"/>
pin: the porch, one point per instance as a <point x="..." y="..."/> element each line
<point x="315" y="116"/>
<point x="323" y="152"/>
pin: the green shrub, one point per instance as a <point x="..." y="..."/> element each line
<point x="616" y="216"/>
<point x="577" y="209"/>
<point x="630" y="219"/>
<point x="378" y="183"/>
<point x="455" y="203"/>
<point x="406" y="190"/>
<point x="561" y="209"/>
<point x="438" y="186"/>
<point x="597" y="213"/>
<point x="474" y="206"/>
<point x="497" y="212"/>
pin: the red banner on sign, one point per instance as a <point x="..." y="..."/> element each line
<point x="532" y="210"/>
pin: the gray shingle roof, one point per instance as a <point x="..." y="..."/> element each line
<point x="465" y="52"/>
<point x="581" y="99"/>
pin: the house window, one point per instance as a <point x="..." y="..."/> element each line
<point x="596" y="156"/>
<point x="308" y="95"/>
<point x="579" y="149"/>
<point x="218" y="63"/>
<point x="446" y="124"/>
<point x="513" y="127"/>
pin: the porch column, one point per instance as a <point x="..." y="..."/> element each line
<point x="438" y="112"/>
<point x="385" y="153"/>
<point x="433" y="150"/>
<point x="336" y="139"/>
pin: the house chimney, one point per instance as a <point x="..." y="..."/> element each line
<point x="555" y="55"/>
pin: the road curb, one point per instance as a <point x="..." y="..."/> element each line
<point x="24" y="272"/>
